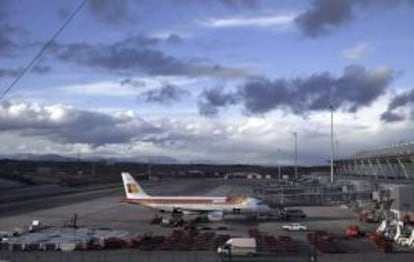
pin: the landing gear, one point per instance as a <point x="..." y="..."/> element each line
<point x="175" y="220"/>
<point x="236" y="211"/>
<point x="156" y="220"/>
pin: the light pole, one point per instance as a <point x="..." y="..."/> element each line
<point x="332" y="144"/>
<point x="336" y="156"/>
<point x="278" y="169"/>
<point x="295" y="134"/>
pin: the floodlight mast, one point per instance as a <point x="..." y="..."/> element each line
<point x="295" y="134"/>
<point x="279" y="174"/>
<point x="332" y="144"/>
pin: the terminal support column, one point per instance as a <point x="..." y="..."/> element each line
<point x="403" y="167"/>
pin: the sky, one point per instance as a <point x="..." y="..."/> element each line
<point x="217" y="81"/>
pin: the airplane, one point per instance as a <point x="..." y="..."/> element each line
<point x="214" y="207"/>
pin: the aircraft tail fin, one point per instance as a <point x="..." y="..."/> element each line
<point x="132" y="188"/>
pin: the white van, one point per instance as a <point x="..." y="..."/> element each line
<point x="238" y="247"/>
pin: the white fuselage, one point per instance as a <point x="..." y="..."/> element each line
<point x="135" y="194"/>
<point x="207" y="204"/>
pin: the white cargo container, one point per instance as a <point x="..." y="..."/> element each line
<point x="69" y="246"/>
<point x="238" y="247"/>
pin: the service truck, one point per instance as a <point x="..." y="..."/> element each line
<point x="238" y="247"/>
<point x="244" y="248"/>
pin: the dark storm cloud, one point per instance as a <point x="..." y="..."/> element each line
<point x="226" y="3"/>
<point x="7" y="41"/>
<point x="132" y="82"/>
<point x="240" y="3"/>
<point x="68" y="125"/>
<point x="212" y="99"/>
<point x="9" y="72"/>
<point x="324" y="16"/>
<point x="174" y="39"/>
<point x="117" y="12"/>
<point x="38" y="69"/>
<point x="113" y="12"/>
<point x="402" y="100"/>
<point x="398" y="101"/>
<point x="389" y="116"/>
<point x="164" y="95"/>
<point x="356" y="88"/>
<point x="41" y="69"/>
<point x="136" y="54"/>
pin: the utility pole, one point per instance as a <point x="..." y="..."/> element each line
<point x="279" y="174"/>
<point x="295" y="134"/>
<point x="332" y="144"/>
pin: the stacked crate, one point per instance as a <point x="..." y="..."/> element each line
<point x="324" y="242"/>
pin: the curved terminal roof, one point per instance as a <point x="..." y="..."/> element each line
<point x="394" y="150"/>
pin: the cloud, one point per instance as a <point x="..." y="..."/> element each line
<point x="358" y="51"/>
<point x="402" y="100"/>
<point x="7" y="32"/>
<point x="261" y="21"/>
<point x="212" y="99"/>
<point x="112" y="12"/>
<point x="109" y="88"/>
<point x="129" y="88"/>
<point x="7" y="43"/>
<point x="399" y="101"/>
<point x="236" y="4"/>
<point x="137" y="54"/>
<point x="132" y="82"/>
<point x="164" y="95"/>
<point x="32" y="127"/>
<point x="38" y="69"/>
<point x="9" y="72"/>
<point x="118" y="12"/>
<point x="389" y="116"/>
<point x="41" y="69"/>
<point x="356" y="88"/>
<point x="240" y="3"/>
<point x="324" y="16"/>
<point x="64" y="124"/>
<point x="116" y="133"/>
<point x="174" y="39"/>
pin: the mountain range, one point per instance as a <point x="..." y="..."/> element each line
<point x="60" y="158"/>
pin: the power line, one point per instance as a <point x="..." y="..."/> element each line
<point x="42" y="50"/>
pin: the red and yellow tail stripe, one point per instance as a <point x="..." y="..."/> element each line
<point x="132" y="189"/>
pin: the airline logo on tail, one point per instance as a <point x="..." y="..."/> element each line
<point x="132" y="189"/>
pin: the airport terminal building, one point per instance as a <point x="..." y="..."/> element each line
<point x="391" y="163"/>
<point x="392" y="166"/>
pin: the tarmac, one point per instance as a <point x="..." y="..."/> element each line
<point x="101" y="208"/>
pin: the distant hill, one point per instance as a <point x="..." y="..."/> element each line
<point x="59" y="158"/>
<point x="148" y="159"/>
<point x="35" y="157"/>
